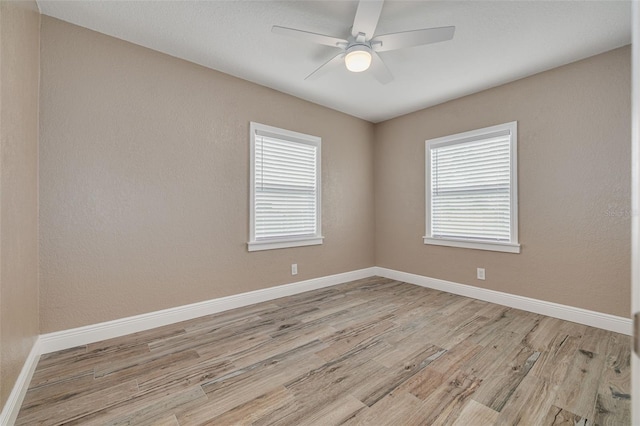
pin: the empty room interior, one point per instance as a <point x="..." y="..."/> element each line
<point x="316" y="212"/>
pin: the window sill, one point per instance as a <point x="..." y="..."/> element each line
<point x="283" y="243"/>
<point x="503" y="247"/>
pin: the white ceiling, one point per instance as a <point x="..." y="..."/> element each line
<point x="495" y="42"/>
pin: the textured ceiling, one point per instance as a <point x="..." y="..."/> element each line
<point x="495" y="42"/>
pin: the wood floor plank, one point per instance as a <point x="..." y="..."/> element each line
<point x="319" y="325"/>
<point x="187" y="373"/>
<point x="231" y="345"/>
<point x="159" y="410"/>
<point x="399" y="355"/>
<point x="412" y="314"/>
<point x="251" y="326"/>
<point x="493" y="355"/>
<point x="136" y="339"/>
<point x="474" y="413"/>
<point x="445" y="404"/>
<point x="460" y="304"/>
<point x="352" y="372"/>
<point x="374" y="351"/>
<point x="398" y="408"/>
<point x="241" y="386"/>
<point x="468" y="310"/>
<point x="454" y="359"/>
<point x="345" y="340"/>
<point x="424" y="383"/>
<point x="423" y="302"/>
<point x="84" y="364"/>
<point x="595" y="340"/>
<point x="258" y="408"/>
<point x="555" y="361"/>
<point x="498" y="388"/>
<point x="613" y="403"/>
<point x="530" y="403"/>
<point x="167" y="421"/>
<point x="541" y="336"/>
<point x="427" y="381"/>
<point x="395" y="374"/>
<point x="523" y="322"/>
<point x="459" y="331"/>
<point x="57" y="358"/>
<point x="420" y="328"/>
<point x="557" y="416"/>
<point x="498" y="322"/>
<point x="367" y="311"/>
<point x="491" y="310"/>
<point x="273" y="347"/>
<point x="335" y="413"/>
<point x="226" y="318"/>
<point x="138" y="401"/>
<point x="579" y="390"/>
<point x="55" y="393"/>
<point x="62" y="393"/>
<point x="344" y="305"/>
<point x="133" y="367"/>
<point x="82" y="405"/>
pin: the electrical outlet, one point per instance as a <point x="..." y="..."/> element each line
<point x="294" y="269"/>
<point x="480" y="273"/>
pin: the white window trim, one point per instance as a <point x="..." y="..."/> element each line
<point x="285" y="242"/>
<point x="513" y="246"/>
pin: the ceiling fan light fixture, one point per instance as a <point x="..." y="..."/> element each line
<point x="358" y="58"/>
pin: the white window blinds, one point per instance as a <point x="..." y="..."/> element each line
<point x="286" y="192"/>
<point x="471" y="194"/>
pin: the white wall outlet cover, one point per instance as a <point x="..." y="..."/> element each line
<point x="480" y="273"/>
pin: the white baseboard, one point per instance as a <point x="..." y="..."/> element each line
<point x="66" y="339"/>
<point x="13" y="404"/>
<point x="556" y="310"/>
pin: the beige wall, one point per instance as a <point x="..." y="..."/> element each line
<point x="574" y="186"/>
<point x="144" y="183"/>
<point x="144" y="168"/>
<point x="19" y="73"/>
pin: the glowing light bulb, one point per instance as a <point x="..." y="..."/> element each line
<point x="358" y="58"/>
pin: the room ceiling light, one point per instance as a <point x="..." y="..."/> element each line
<point x="361" y="48"/>
<point x="358" y="58"/>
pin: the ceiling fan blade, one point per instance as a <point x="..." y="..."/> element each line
<point x="326" y="67"/>
<point x="312" y="37"/>
<point x="367" y="17"/>
<point x="379" y="69"/>
<point x="404" y="39"/>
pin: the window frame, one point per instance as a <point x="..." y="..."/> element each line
<point x="289" y="241"/>
<point x="513" y="246"/>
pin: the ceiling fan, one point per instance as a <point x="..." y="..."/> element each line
<point x="360" y="50"/>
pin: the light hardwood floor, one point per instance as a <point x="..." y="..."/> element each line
<point x="373" y="351"/>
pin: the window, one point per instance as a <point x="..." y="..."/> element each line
<point x="472" y="198"/>
<point x="285" y="189"/>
